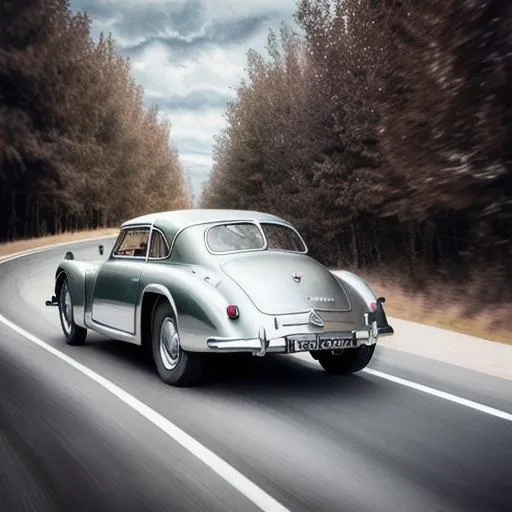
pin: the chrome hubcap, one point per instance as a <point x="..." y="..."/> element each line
<point x="65" y="308"/>
<point x="169" y="344"/>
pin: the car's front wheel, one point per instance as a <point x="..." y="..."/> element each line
<point x="74" y="334"/>
<point x="346" y="361"/>
<point x="174" y="365"/>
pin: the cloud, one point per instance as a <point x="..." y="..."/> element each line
<point x="189" y="56"/>
<point x="193" y="133"/>
<point x="219" y="70"/>
<point x="215" y="33"/>
<point x="145" y="20"/>
<point x="185" y="26"/>
<point x="194" y="100"/>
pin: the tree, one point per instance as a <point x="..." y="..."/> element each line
<point x="73" y="127"/>
<point x="446" y="126"/>
<point x="346" y="54"/>
<point x="384" y="135"/>
<point x="259" y="156"/>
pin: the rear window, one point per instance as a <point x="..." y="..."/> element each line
<point x="235" y="237"/>
<point x="282" y="238"/>
<point x="248" y="237"/>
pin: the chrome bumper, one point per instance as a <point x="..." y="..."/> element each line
<point x="293" y="343"/>
<point x="386" y="330"/>
<point x="376" y="325"/>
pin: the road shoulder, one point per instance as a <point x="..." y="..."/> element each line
<point x="451" y="347"/>
<point x="490" y="357"/>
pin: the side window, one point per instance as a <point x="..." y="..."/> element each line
<point x="133" y="243"/>
<point x="159" y="247"/>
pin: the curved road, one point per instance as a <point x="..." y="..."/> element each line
<point x="310" y="441"/>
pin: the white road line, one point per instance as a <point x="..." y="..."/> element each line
<point x="233" y="477"/>
<point x="498" y="413"/>
<point x="491" y="411"/>
<point x="241" y="483"/>
<point x="227" y="472"/>
<point x="49" y="247"/>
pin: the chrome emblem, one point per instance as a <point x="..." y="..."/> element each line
<point x="315" y="319"/>
<point x="297" y="277"/>
<point x="321" y="299"/>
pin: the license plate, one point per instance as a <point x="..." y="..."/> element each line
<point x="326" y="342"/>
<point x="321" y="342"/>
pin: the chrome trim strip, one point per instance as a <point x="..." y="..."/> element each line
<point x="245" y="345"/>
<point x="203" y="223"/>
<point x="280" y="344"/>
<point x="110" y="332"/>
<point x="198" y="223"/>
<point x="131" y="227"/>
<point x="264" y="342"/>
<point x="330" y="316"/>
<point x="161" y="290"/>
<point x="258" y="225"/>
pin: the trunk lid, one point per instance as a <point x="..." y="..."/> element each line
<point x="281" y="283"/>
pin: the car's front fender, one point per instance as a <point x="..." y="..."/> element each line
<point x="75" y="273"/>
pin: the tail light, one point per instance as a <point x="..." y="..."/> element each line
<point x="232" y="311"/>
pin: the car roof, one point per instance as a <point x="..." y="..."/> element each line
<point x="176" y="220"/>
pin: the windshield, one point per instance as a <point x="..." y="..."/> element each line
<point x="248" y="237"/>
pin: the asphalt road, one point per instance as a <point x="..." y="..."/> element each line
<point x="312" y="441"/>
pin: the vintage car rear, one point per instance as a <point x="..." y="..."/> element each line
<point x="193" y="282"/>
<point x="281" y="299"/>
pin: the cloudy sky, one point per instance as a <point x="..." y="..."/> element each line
<point x="189" y="55"/>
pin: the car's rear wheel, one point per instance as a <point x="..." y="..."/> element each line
<point x="346" y="361"/>
<point x="174" y="365"/>
<point x="74" y="334"/>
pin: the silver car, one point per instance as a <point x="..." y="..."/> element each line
<point x="189" y="283"/>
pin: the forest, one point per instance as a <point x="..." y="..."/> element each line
<point x="78" y="147"/>
<point x="383" y="130"/>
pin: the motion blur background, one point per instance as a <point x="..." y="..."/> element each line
<point x="381" y="129"/>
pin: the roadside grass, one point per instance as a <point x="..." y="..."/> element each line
<point x="441" y="309"/>
<point x="444" y="308"/>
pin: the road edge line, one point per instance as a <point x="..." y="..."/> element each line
<point x="422" y="388"/>
<point x="232" y="476"/>
<point x="48" y="247"/>
<point x="223" y="469"/>
<point x="450" y="397"/>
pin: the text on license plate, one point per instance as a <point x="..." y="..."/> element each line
<point x="323" y="343"/>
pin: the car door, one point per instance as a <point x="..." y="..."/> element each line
<point x="116" y="286"/>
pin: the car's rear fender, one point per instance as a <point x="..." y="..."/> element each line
<point x="200" y="297"/>
<point x="75" y="273"/>
<point x="200" y="300"/>
<point x="362" y="295"/>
